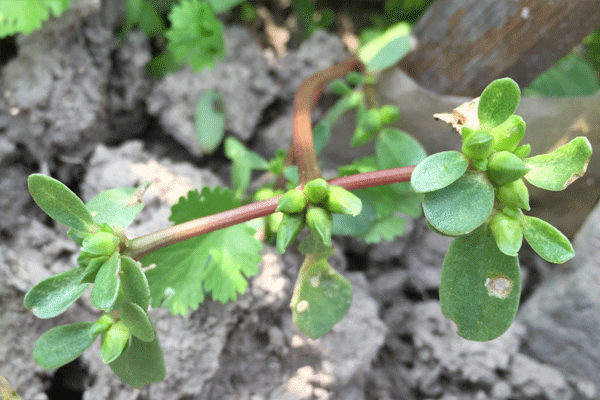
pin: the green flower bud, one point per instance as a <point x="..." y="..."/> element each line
<point x="355" y="78"/>
<point x="508" y="233"/>
<point x="478" y="145"/>
<point x="289" y="228"/>
<point x="320" y="223"/>
<point x="504" y="167"/>
<point x="101" y="243"/>
<point x="523" y="151"/>
<point x="340" y="87"/>
<point x="293" y="201"/>
<point x="343" y="202"/>
<point x="316" y="190"/>
<point x="114" y="342"/>
<point x="371" y="121"/>
<point x="508" y="134"/>
<point x="355" y="99"/>
<point x="389" y="114"/>
<point x="360" y="137"/>
<point x="102" y="325"/>
<point x="514" y="194"/>
<point x="480" y="165"/>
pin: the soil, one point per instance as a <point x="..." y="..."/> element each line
<point x="78" y="105"/>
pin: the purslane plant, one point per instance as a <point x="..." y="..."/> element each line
<point x="476" y="195"/>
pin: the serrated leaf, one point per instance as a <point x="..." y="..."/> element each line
<point x="55" y="294"/>
<point x="395" y="148"/>
<point x="106" y="285"/>
<point x="498" y="101"/>
<point x="321" y="297"/>
<point x="25" y="16"/>
<point x="196" y="34"/>
<point x="137" y="321"/>
<point x="547" y="241"/>
<point x="461" y="207"/>
<point x="60" y="203"/>
<point x="134" y="283"/>
<point x="210" y="121"/>
<point x="480" y="286"/>
<point x="117" y="207"/>
<point x="62" y="344"/>
<point x="213" y="263"/>
<point x="385" y="229"/>
<point x="558" y="169"/>
<point x="438" y="171"/>
<point x="387" y="49"/>
<point x="140" y="364"/>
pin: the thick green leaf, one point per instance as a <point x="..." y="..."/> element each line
<point x="508" y="134"/>
<point x="106" y="285"/>
<point x="60" y="203"/>
<point x="100" y="244"/>
<point x="461" y="207"/>
<point x="480" y="286"/>
<point x="210" y="121"/>
<point x="63" y="344"/>
<point x="387" y="49"/>
<point x="117" y="207"/>
<point x="547" y="241"/>
<point x="140" y="364"/>
<point x="114" y="342"/>
<point x="558" y="169"/>
<point x="438" y="171"/>
<point x="395" y="148"/>
<point x="498" y="101"/>
<point x="134" y="283"/>
<point x="321" y="297"/>
<point x="514" y="194"/>
<point x="137" y="321"/>
<point x="508" y="233"/>
<point x="54" y="295"/>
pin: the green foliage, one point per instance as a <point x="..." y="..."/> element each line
<point x="107" y="284"/>
<point x="137" y="321"/>
<point x="547" y="241"/>
<point x="214" y="263"/>
<point x="196" y="34"/>
<point x="134" y="283"/>
<point x="140" y="364"/>
<point x="25" y="16"/>
<point x="571" y="76"/>
<point x="244" y="162"/>
<point x="63" y="344"/>
<point x="117" y="207"/>
<point x="438" y="171"/>
<point x="387" y="49"/>
<point x="143" y="14"/>
<point x="480" y="286"/>
<point x="210" y="121"/>
<point x="498" y="101"/>
<point x="223" y="5"/>
<point x="114" y="342"/>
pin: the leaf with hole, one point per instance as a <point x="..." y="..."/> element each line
<point x="547" y="241"/>
<point x="558" y="169"/>
<point x="63" y="344"/>
<point x="60" y="203"/>
<point x="438" y="171"/>
<point x="480" y="286"/>
<point x="462" y="206"/>
<point x="321" y="297"/>
<point x="55" y="294"/>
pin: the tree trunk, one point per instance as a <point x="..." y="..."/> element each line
<point x="465" y="44"/>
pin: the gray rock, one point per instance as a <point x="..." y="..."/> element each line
<point x="532" y="379"/>
<point x="562" y="315"/>
<point x="242" y="80"/>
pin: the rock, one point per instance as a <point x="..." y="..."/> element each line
<point x="562" y="315"/>
<point x="242" y="79"/>
<point x="532" y="380"/>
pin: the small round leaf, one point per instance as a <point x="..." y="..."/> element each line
<point x="498" y="101"/>
<point x="547" y="241"/>
<point x="438" y="171"/>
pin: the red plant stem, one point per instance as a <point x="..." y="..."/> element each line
<point x="144" y="245"/>
<point x="306" y="98"/>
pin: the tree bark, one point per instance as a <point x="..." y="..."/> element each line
<point x="465" y="44"/>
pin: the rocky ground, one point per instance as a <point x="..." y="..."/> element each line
<point x="77" y="105"/>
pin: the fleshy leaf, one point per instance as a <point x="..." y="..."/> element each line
<point x="507" y="232"/>
<point x="55" y="294"/>
<point x="508" y="134"/>
<point x="106" y="285"/>
<point x="137" y="321"/>
<point x="114" y="342"/>
<point x="140" y="364"/>
<point x="62" y="344"/>
<point x="438" y="171"/>
<point x="461" y="207"/>
<point x="386" y="49"/>
<point x="210" y="121"/>
<point x="215" y="262"/>
<point x="558" y="169"/>
<point x="134" y="283"/>
<point x="321" y="297"/>
<point x="547" y="241"/>
<point x="480" y="286"/>
<point x="60" y="203"/>
<point x="117" y="207"/>
<point x="498" y="101"/>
